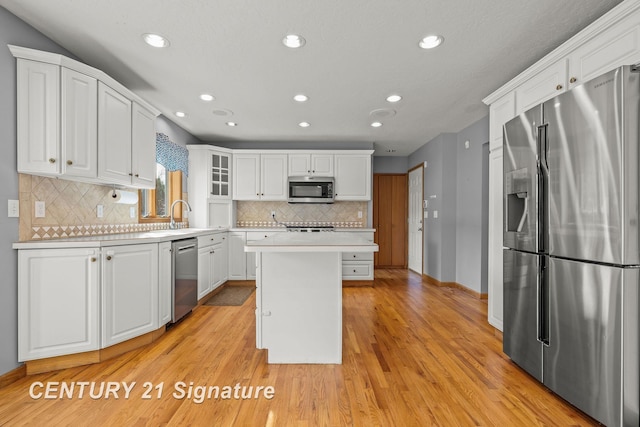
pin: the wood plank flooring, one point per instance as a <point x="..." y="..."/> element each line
<point x="413" y="355"/>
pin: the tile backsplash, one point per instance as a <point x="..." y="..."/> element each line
<point x="71" y="210"/>
<point x="339" y="214"/>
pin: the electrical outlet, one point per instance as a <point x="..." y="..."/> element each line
<point x="13" y="209"/>
<point x="132" y="212"/>
<point x="40" y="209"/>
<point x="100" y="211"/>
<point x="359" y="214"/>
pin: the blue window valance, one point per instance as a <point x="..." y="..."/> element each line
<point x="171" y="155"/>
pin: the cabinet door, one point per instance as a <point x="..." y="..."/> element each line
<point x="114" y="136"/>
<point x="322" y="164"/>
<point x="353" y="177"/>
<point x="237" y="256"/>
<point x="143" y="147"/>
<point x="299" y="164"/>
<point x="544" y="85"/>
<point x="246" y="176"/>
<point x="79" y="124"/>
<point x="219" y="263"/>
<point x="273" y="169"/>
<point x="219" y="176"/>
<point x="495" y="271"/>
<point x="617" y="45"/>
<point x="204" y="271"/>
<point x="164" y="283"/>
<point x="130" y="292"/>
<point x="38" y="103"/>
<point x="58" y="302"/>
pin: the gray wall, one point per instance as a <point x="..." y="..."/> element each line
<point x="16" y="32"/>
<point x="469" y="205"/>
<point x="454" y="182"/>
<point x="175" y="133"/>
<point x="390" y="164"/>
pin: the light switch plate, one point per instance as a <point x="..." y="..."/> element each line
<point x="435" y="214"/>
<point x="132" y="212"/>
<point x="13" y="208"/>
<point x="100" y="211"/>
<point x="40" y="209"/>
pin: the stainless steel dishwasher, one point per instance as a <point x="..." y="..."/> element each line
<point x="184" y="275"/>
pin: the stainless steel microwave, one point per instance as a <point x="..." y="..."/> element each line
<point x="311" y="189"/>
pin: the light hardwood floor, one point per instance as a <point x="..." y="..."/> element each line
<point x="413" y="355"/>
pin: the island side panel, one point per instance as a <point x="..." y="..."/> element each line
<point x="301" y="306"/>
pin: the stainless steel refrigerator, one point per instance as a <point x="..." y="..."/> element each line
<point x="572" y="245"/>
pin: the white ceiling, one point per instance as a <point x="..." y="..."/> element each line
<point x="357" y="53"/>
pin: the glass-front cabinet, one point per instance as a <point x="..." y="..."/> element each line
<point x="219" y="175"/>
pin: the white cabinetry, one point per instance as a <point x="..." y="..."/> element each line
<point x="212" y="262"/>
<point x="58" y="302"/>
<point x="237" y="255"/>
<point x="358" y="265"/>
<point x="616" y="46"/>
<point x="353" y="176"/>
<point x="143" y="147"/>
<point x="114" y="136"/>
<point x="259" y="176"/>
<point x="495" y="283"/>
<point x="57" y="121"/>
<point x="129" y="292"/>
<point x="544" y="85"/>
<point x="210" y="187"/>
<point x="77" y="123"/>
<point x="311" y="164"/>
<point x="126" y="140"/>
<point x="164" y="283"/>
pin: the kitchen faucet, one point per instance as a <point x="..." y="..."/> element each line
<point x="172" y="224"/>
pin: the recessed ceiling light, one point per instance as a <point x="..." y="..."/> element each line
<point x="430" y="42"/>
<point x="155" y="40"/>
<point x="180" y="114"/>
<point x="232" y="124"/>
<point x="376" y="124"/>
<point x="293" y="41"/>
<point x="207" y="97"/>
<point x="301" y="98"/>
<point x="394" y="98"/>
<point x="304" y="124"/>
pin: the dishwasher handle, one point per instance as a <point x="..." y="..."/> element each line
<point x="186" y="248"/>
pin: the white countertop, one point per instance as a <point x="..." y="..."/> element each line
<point x="341" y="229"/>
<point x="155" y="236"/>
<point x="312" y="242"/>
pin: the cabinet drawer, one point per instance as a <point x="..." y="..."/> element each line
<point x="357" y="256"/>
<point x="357" y="271"/>
<point x="259" y="235"/>
<point x="211" y="239"/>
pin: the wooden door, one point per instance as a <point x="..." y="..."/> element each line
<point x="390" y="219"/>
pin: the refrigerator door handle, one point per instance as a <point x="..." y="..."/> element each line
<point x="543" y="184"/>
<point x="543" y="303"/>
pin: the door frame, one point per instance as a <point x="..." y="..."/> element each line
<point x="421" y="167"/>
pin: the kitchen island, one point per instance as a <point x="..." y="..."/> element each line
<point x="299" y="294"/>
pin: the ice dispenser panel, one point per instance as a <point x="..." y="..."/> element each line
<point x="517" y="200"/>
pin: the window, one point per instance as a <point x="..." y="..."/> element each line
<point x="154" y="204"/>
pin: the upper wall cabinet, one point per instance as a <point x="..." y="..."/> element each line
<point x="76" y="122"/>
<point x="259" y="176"/>
<point x="353" y="176"/>
<point x="542" y="86"/>
<point x="311" y="164"/>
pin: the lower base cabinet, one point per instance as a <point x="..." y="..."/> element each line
<point x="58" y="302"/>
<point x="212" y="262"/>
<point x="129" y="292"/>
